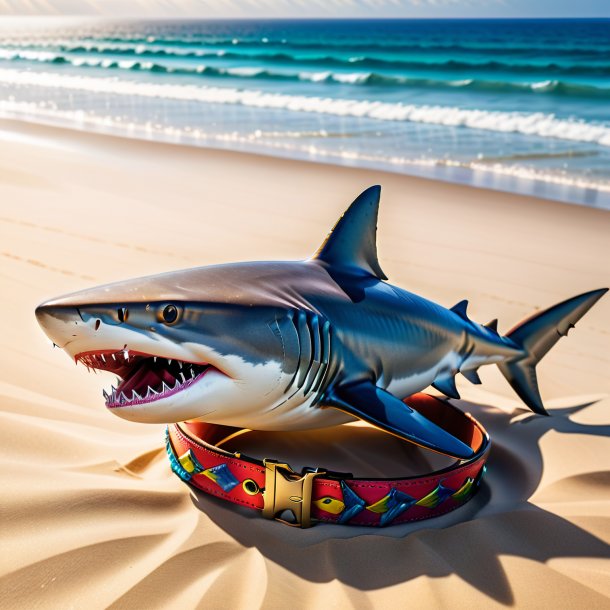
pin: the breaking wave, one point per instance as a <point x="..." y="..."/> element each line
<point x="361" y="61"/>
<point x="535" y="124"/>
<point x="364" y="78"/>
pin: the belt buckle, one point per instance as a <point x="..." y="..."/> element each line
<point x="286" y="489"/>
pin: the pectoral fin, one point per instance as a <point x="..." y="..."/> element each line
<point x="383" y="410"/>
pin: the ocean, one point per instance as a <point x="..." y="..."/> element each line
<point x="513" y="105"/>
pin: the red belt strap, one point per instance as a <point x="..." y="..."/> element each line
<point x="320" y="495"/>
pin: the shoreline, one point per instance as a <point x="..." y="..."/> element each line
<point x="486" y="174"/>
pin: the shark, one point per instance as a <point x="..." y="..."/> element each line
<point x="290" y="345"/>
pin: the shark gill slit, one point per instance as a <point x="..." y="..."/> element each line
<point x="313" y="337"/>
<point x="314" y="367"/>
<point x="296" y="370"/>
<point x="319" y="385"/>
<point x="307" y="339"/>
<point x="304" y="345"/>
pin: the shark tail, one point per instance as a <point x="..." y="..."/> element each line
<point x="536" y="335"/>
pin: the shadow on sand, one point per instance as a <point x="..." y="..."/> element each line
<point x="468" y="542"/>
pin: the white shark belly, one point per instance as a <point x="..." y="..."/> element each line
<point x="406" y="385"/>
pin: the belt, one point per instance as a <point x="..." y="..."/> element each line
<point x="321" y="495"/>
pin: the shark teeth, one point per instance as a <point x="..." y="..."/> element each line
<point x="116" y="398"/>
<point x="151" y="393"/>
<point x="173" y="375"/>
<point x="105" y="361"/>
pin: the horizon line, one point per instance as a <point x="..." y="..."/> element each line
<point x="308" y="18"/>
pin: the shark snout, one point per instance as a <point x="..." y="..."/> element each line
<point x="60" y="322"/>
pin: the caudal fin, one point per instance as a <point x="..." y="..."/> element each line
<point x="537" y="335"/>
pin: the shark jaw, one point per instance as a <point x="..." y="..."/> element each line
<point x="143" y="378"/>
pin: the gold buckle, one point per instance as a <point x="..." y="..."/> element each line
<point x="285" y="489"/>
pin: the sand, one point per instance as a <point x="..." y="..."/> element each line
<point x="92" y="517"/>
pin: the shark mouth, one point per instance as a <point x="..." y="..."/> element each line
<point x="144" y="378"/>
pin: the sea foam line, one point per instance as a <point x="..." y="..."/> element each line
<point x="30" y="111"/>
<point x="534" y="124"/>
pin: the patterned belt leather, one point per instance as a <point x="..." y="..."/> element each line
<point x="318" y="495"/>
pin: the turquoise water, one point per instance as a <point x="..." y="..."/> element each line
<point x="520" y="105"/>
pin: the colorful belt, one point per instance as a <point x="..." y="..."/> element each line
<point x="319" y="495"/>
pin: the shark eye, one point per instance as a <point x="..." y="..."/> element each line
<point x="169" y="314"/>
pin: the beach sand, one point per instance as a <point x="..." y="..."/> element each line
<point x="91" y="514"/>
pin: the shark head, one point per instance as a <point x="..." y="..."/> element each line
<point x="184" y="345"/>
<point x="227" y="344"/>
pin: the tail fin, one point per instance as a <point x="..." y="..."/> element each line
<point x="537" y="335"/>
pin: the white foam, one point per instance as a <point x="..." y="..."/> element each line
<point x="30" y="111"/>
<point x="315" y="77"/>
<point x="247" y="72"/>
<point x="43" y="56"/>
<point x="352" y="78"/>
<point x="535" y="124"/>
<point x="128" y="64"/>
<point x="545" y="85"/>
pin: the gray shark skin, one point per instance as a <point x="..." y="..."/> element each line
<point x="295" y="345"/>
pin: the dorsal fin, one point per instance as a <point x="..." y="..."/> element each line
<point x="351" y="245"/>
<point x="492" y="325"/>
<point x="460" y="309"/>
